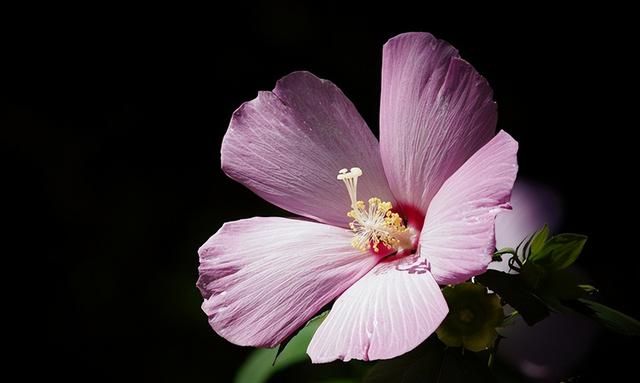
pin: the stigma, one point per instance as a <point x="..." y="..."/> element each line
<point x="374" y="224"/>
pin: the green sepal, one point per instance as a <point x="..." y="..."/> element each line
<point x="559" y="252"/>
<point x="539" y="239"/>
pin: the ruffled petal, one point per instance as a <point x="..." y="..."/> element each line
<point x="288" y="146"/>
<point x="435" y="112"/>
<point x="388" y="312"/>
<point x="458" y="235"/>
<point x="263" y="278"/>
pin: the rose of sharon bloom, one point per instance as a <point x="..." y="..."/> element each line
<point x="432" y="187"/>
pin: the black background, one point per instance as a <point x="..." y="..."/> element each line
<point x="112" y="121"/>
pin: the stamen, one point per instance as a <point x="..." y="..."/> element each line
<point x="375" y="224"/>
<point x="350" y="178"/>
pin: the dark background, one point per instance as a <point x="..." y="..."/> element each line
<point x="112" y="121"/>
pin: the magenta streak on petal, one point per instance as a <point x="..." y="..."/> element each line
<point x="435" y="112"/>
<point x="288" y="146"/>
<point x="458" y="236"/>
<point x="263" y="278"/>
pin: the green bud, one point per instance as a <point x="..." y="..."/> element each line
<point x="473" y="317"/>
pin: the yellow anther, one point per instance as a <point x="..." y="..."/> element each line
<point x="374" y="224"/>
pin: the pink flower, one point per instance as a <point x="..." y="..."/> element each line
<point x="434" y="185"/>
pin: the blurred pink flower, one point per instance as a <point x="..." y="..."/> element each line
<point x="552" y="349"/>
<point x="533" y="205"/>
<point x="434" y="185"/>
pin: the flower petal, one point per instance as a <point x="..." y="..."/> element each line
<point x="385" y="314"/>
<point x="435" y="112"/>
<point x="263" y="278"/>
<point x="288" y="145"/>
<point x="458" y="235"/>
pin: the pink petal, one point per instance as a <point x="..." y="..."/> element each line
<point x="263" y="278"/>
<point x="385" y="314"/>
<point x="435" y="112"/>
<point x="458" y="235"/>
<point x="288" y="146"/>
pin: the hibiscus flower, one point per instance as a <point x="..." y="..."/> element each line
<point x="432" y="187"/>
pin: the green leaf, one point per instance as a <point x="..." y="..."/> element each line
<point x="257" y="367"/>
<point x="262" y="363"/>
<point x="589" y="289"/>
<point x="539" y="239"/>
<point x="317" y="319"/>
<point x="431" y="362"/>
<point x="559" y="252"/>
<point x="511" y="288"/>
<point x="562" y="285"/>
<point x="612" y="319"/>
<point x="531" y="274"/>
